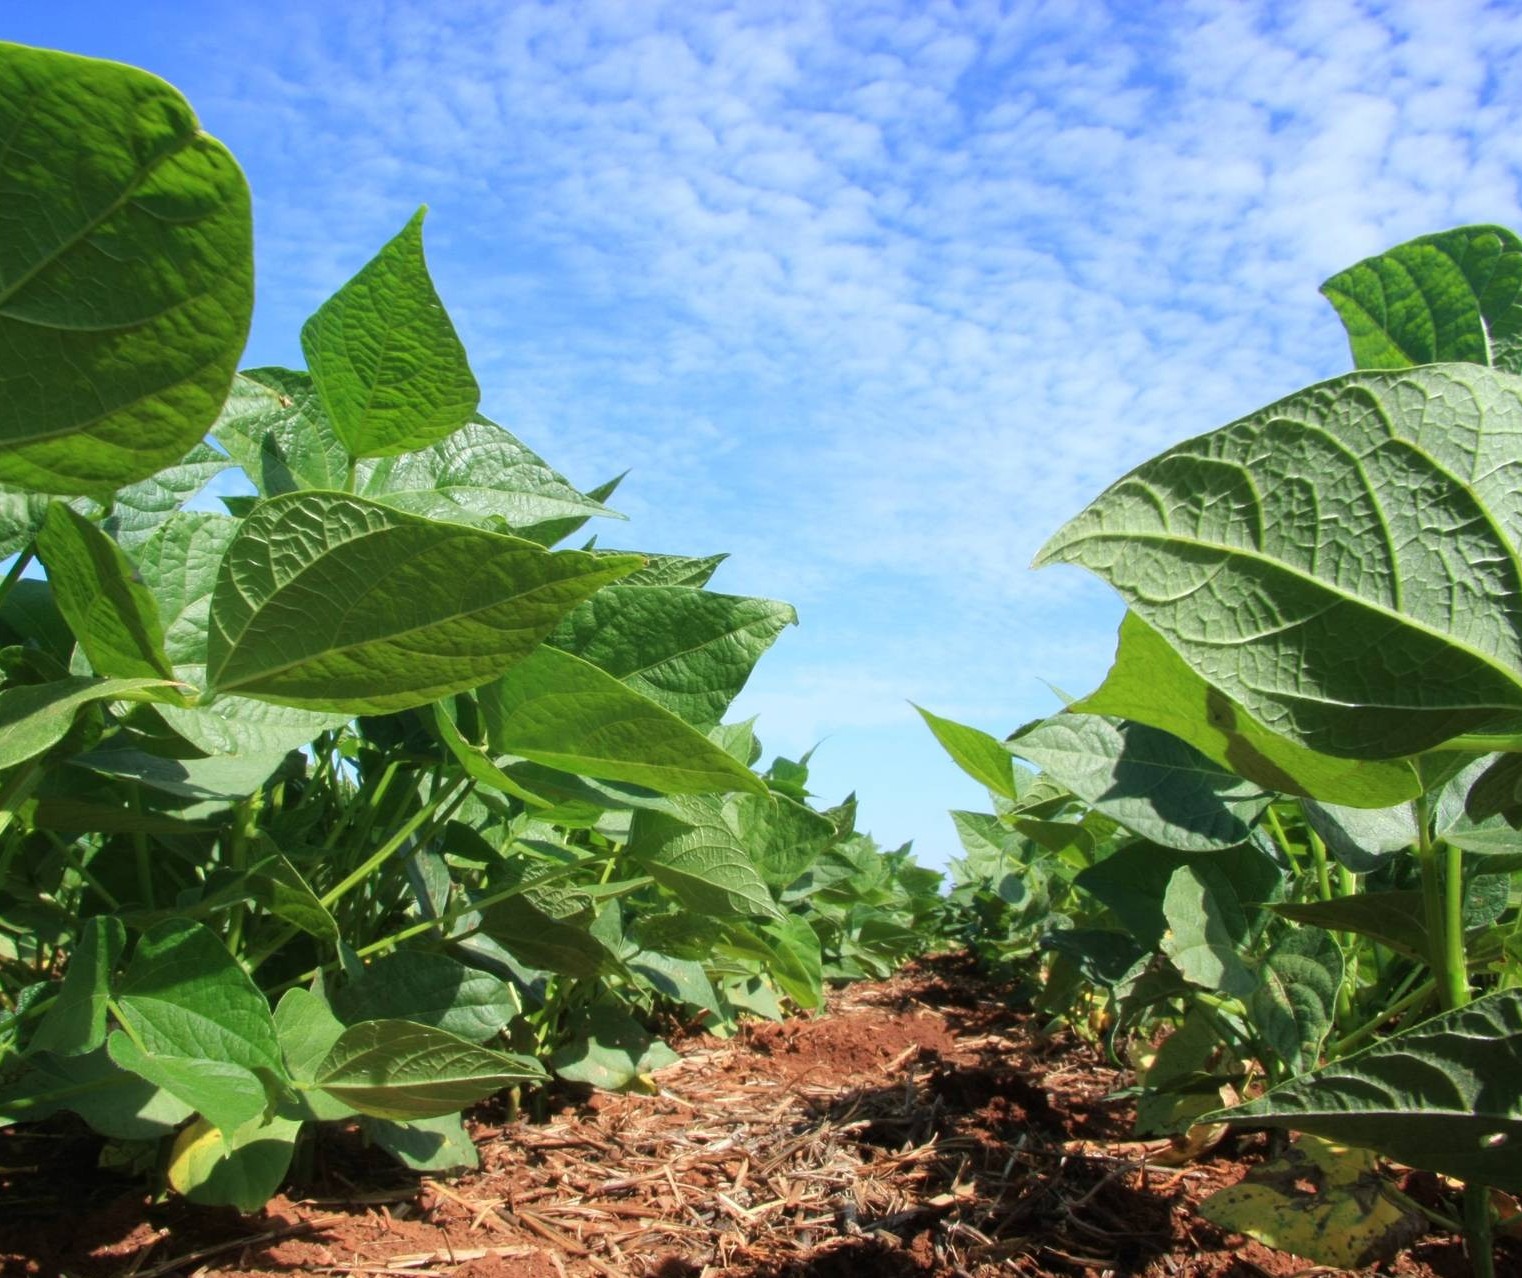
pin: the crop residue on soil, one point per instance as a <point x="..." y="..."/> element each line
<point x="923" y="1126"/>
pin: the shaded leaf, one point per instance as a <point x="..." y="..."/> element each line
<point x="126" y="279"/>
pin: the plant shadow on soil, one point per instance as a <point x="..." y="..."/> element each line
<point x="926" y="1126"/>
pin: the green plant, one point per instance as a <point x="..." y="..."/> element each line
<point x="360" y="800"/>
<point x="1311" y="730"/>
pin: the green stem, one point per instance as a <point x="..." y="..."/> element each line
<point x="1369" y="1028"/>
<point x="16" y="789"/>
<point x="389" y="848"/>
<point x="1443" y="901"/>
<point x="16" y="569"/>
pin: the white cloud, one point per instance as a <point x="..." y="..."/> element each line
<point x="875" y="298"/>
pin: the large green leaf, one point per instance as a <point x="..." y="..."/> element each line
<point x="179" y="563"/>
<point x="398" y="1070"/>
<point x="333" y="602"/>
<point x="126" y="273"/>
<point x="273" y="425"/>
<point x="197" y="1025"/>
<point x="1150" y="684"/>
<point x="1453" y="296"/>
<point x="558" y="710"/>
<point x="1148" y="780"/>
<point x="689" y="650"/>
<point x="979" y="755"/>
<point x="114" y="618"/>
<point x="1444" y="1095"/>
<point x="114" y="1101"/>
<point x="704" y="864"/>
<point x="430" y="989"/>
<point x="1342" y="564"/>
<point x="241" y="1169"/>
<point x="386" y="361"/>
<point x="788" y="949"/>
<point x="479" y="473"/>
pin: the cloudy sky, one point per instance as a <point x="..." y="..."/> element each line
<point x="871" y="296"/>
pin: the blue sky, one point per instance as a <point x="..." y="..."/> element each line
<point x="872" y="297"/>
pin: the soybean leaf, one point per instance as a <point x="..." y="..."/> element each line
<point x="332" y="602"/>
<point x="1340" y="564"/>
<point x="1134" y="880"/>
<point x="979" y="755"/>
<point x="273" y="425"/>
<point x="179" y="563"/>
<point x="126" y="273"/>
<point x="1151" y="684"/>
<point x="1322" y="1201"/>
<point x="1453" y="296"/>
<point x="1444" y="1095"/>
<point x="688" y="650"/>
<point x="1148" y="780"/>
<point x="788" y="948"/>
<point x="478" y="474"/>
<point x="609" y="1049"/>
<point x="241" y="1169"/>
<point x="430" y="989"/>
<point x="279" y="887"/>
<point x="36" y="717"/>
<point x="307" y="1030"/>
<point x="1296" y="996"/>
<point x="139" y="510"/>
<point x="556" y="709"/>
<point x="536" y="932"/>
<point x="397" y="1070"/>
<point x="114" y="618"/>
<point x="1206" y="930"/>
<point x="704" y="864"/>
<point x="438" y="1145"/>
<point x="1362" y="840"/>
<point x="1397" y="919"/>
<point x="221" y="778"/>
<point x="111" y="1100"/>
<point x="199" y="1027"/>
<point x="387" y="363"/>
<point x="76" y="1022"/>
<point x="675" y="570"/>
<point x="21" y="515"/>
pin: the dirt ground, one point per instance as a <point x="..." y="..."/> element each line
<point x="924" y="1126"/>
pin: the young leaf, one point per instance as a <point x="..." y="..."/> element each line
<point x="385" y="359"/>
<point x="788" y="948"/>
<point x="394" y="1069"/>
<point x="1151" y="684"/>
<point x="1340" y="564"/>
<point x="274" y="427"/>
<point x="979" y="755"/>
<point x="1451" y="297"/>
<point x="1296" y="996"/>
<point x="126" y="273"/>
<point x="705" y="865"/>
<point x="1150" y="781"/>
<point x="688" y="650"/>
<point x="556" y="709"/>
<point x="1444" y="1095"/>
<point x="479" y="473"/>
<point x="114" y="618"/>
<point x="332" y="602"/>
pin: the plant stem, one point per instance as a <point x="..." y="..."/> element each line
<point x="1369" y="1028"/>
<point x="1443" y="901"/>
<point x="16" y="569"/>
